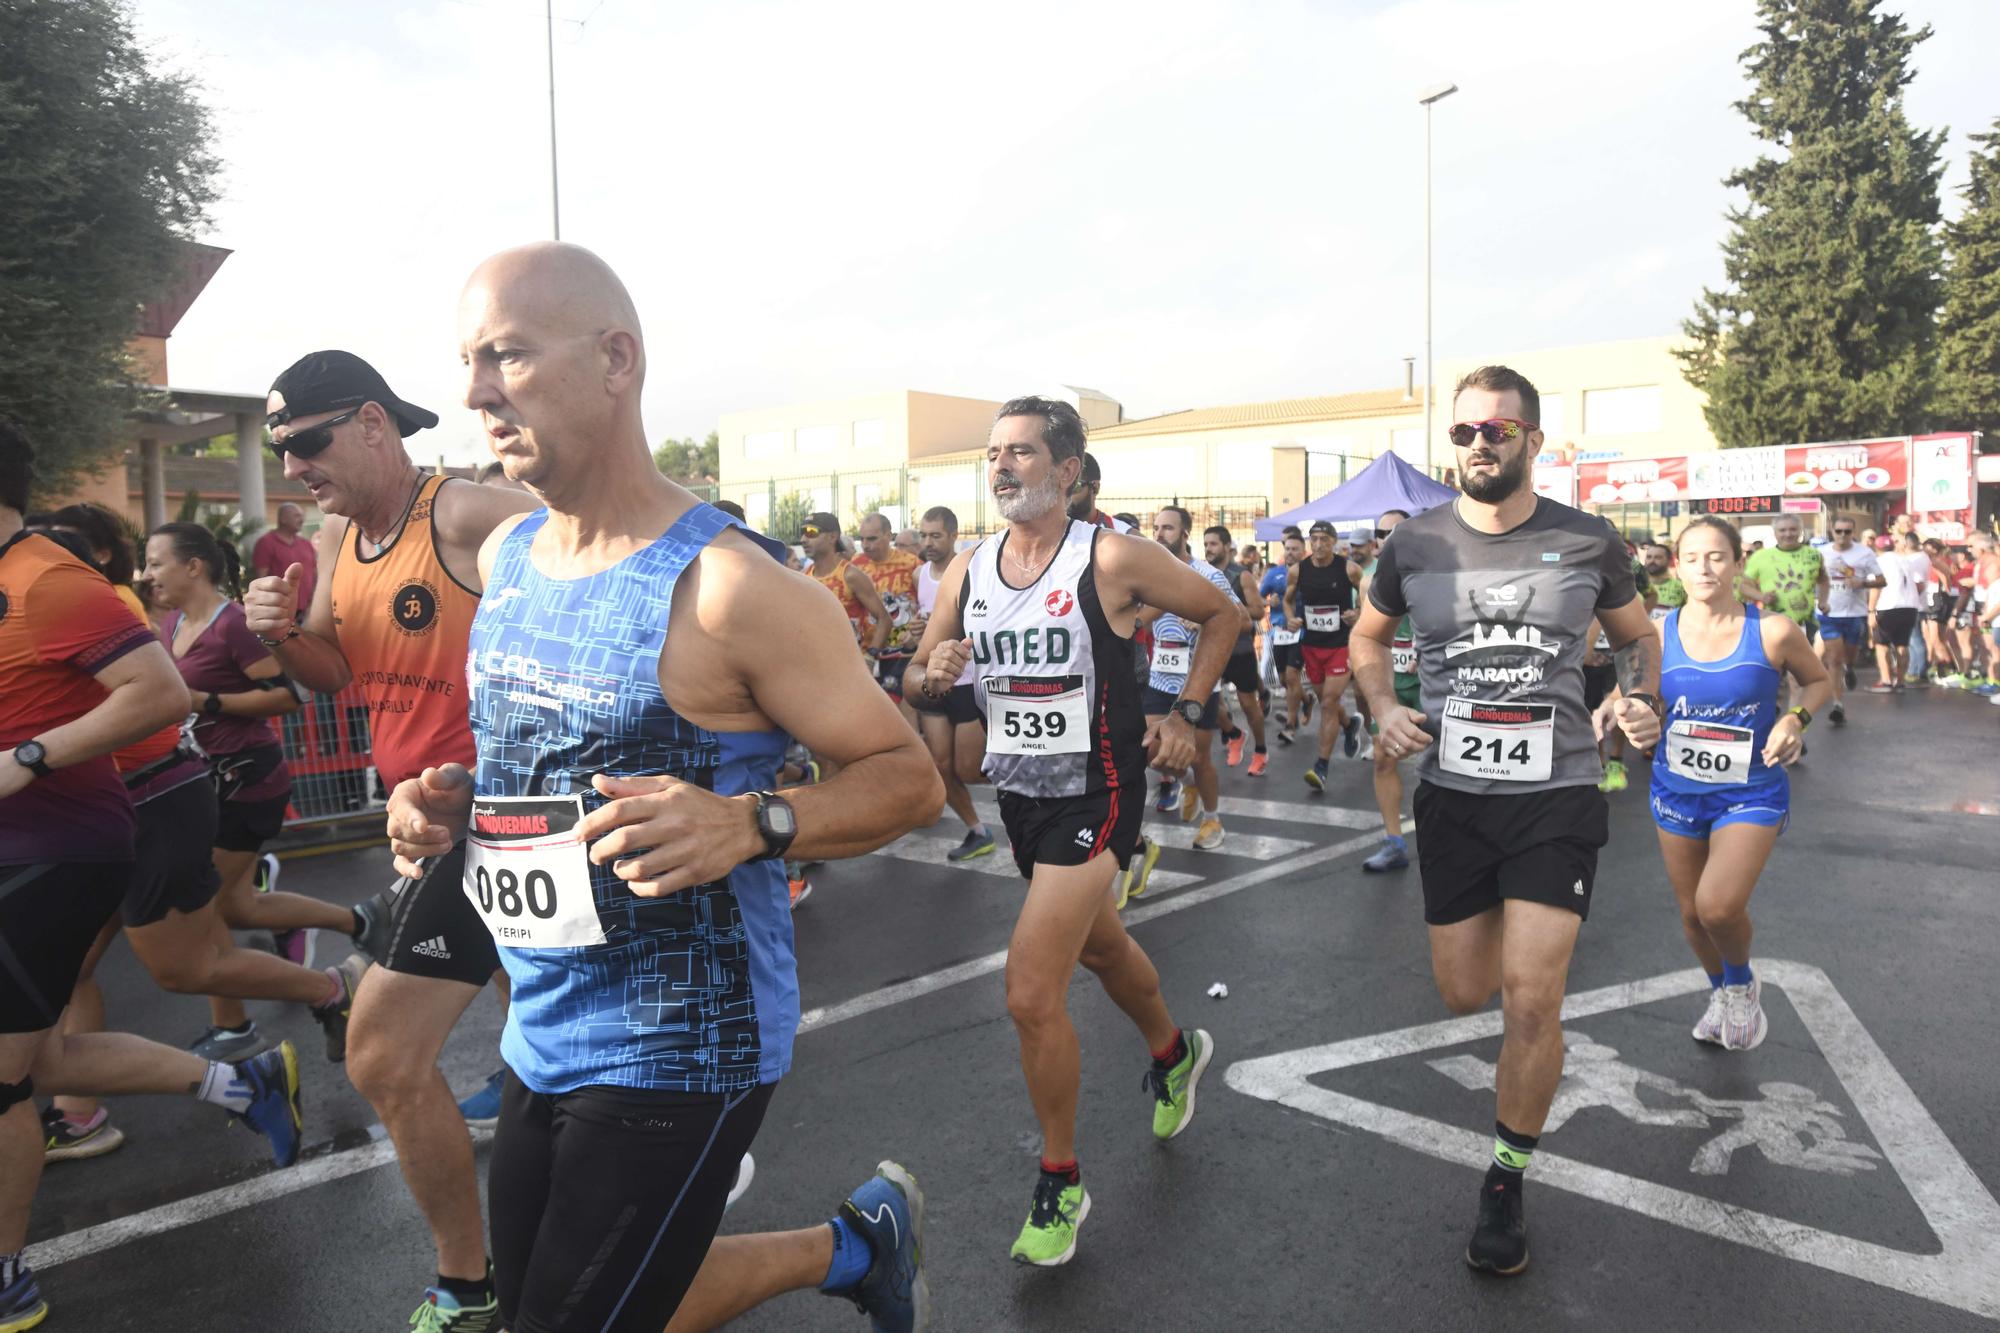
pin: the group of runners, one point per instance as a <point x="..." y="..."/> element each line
<point x="586" y="689"/>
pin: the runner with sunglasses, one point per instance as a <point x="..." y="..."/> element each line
<point x="390" y="618"/>
<point x="1720" y="795"/>
<point x="1500" y="586"/>
<point x="1320" y="598"/>
<point x="1851" y="571"/>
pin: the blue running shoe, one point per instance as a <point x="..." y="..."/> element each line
<point x="1350" y="735"/>
<point x="275" y="1110"/>
<point x="443" y="1312"/>
<point x="1316" y="775"/>
<point x="482" y="1109"/>
<point x="1170" y="795"/>
<point x="889" y="1212"/>
<point x="1394" y="855"/>
<point x="21" y="1304"/>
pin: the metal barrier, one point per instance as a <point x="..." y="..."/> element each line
<point x="329" y="751"/>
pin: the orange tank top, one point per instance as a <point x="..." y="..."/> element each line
<point x="836" y="583"/>
<point x="403" y="623"/>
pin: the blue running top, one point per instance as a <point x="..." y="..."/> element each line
<point x="1740" y="690"/>
<point x="693" y="992"/>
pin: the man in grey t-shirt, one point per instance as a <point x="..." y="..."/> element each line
<point x="1500" y="587"/>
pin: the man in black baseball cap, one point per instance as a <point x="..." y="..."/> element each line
<point x="323" y="383"/>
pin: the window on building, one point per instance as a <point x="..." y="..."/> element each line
<point x="1633" y="411"/>
<point x="763" y="444"/>
<point x="816" y="439"/>
<point x="871" y="434"/>
<point x="1555" y="425"/>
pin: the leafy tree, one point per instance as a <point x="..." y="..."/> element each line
<point x="1826" y="330"/>
<point x="688" y="459"/>
<point x="105" y="170"/>
<point x="1969" y="330"/>
<point x="788" y="516"/>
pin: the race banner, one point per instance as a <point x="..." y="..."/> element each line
<point x="1856" y="467"/>
<point x="1632" y="481"/>
<point x="1853" y="467"/>
<point x="1729" y="474"/>
<point x="1941" y="472"/>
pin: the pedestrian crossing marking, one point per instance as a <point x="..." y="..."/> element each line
<point x="1961" y="1212"/>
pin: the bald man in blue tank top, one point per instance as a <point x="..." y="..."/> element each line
<point x="625" y="846"/>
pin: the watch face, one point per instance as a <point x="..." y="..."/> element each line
<point x="30" y="753"/>
<point x="781" y="819"/>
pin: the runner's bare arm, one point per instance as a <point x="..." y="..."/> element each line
<point x="1292" y="595"/>
<point x="1368" y="657"/>
<point x="312" y="657"/>
<point x="1635" y="648"/>
<point x="1786" y="648"/>
<point x="466" y="514"/>
<point x="943" y="631"/>
<point x="870" y="597"/>
<point x="143" y="693"/>
<point x="753" y="646"/>
<point x="1356" y="580"/>
<point x="266" y="701"/>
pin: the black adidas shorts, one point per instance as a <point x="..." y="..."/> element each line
<point x="436" y="932"/>
<point x="1070" y="830"/>
<point x="1475" y="851"/>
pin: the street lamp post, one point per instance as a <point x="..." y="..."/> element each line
<point x="555" y="184"/>
<point x="1429" y="97"/>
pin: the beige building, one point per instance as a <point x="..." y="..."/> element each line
<point x="908" y="450"/>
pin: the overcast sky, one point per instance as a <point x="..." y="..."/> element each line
<point x="1178" y="204"/>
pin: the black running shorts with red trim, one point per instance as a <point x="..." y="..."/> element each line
<point x="1476" y="850"/>
<point x="1070" y="830"/>
<point x="436" y="931"/>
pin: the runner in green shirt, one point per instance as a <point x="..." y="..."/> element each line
<point x="1668" y="591"/>
<point x="1789" y="578"/>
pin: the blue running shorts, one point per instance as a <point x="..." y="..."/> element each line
<point x="1848" y="629"/>
<point x="1696" y="814"/>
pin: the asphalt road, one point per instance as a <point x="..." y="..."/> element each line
<point x="1842" y="1176"/>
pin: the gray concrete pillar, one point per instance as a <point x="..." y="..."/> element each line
<point x="153" y="482"/>
<point x="250" y="472"/>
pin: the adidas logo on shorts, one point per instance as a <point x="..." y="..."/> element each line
<point x="1579" y="888"/>
<point x="435" y="948"/>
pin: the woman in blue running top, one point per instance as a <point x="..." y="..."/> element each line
<point x="1720" y="795"/>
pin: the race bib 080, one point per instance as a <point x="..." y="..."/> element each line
<point x="1709" y="752"/>
<point x="527" y="873"/>
<point x="1037" y="715"/>
<point x="1506" y="742"/>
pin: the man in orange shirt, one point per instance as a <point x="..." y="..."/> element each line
<point x="393" y="615"/>
<point x="894" y="573"/>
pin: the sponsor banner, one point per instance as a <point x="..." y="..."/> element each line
<point x="1857" y="466"/>
<point x="1941" y="472"/>
<point x="1728" y="473"/>
<point x="1633" y="481"/>
<point x="1795" y="505"/>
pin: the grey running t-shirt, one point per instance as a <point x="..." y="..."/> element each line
<point x="1501" y="622"/>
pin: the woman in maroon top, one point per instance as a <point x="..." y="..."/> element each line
<point x="237" y="689"/>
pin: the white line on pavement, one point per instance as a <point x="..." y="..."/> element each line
<point x="929" y="849"/>
<point x="336" y="1166"/>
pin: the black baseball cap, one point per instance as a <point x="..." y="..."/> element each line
<point x="1321" y="525"/>
<point x="334" y="381"/>
<point x="824" y="521"/>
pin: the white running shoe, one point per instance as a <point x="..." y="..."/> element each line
<point x="1743" y="1021"/>
<point x="746" y="1171"/>
<point x="1710" y="1027"/>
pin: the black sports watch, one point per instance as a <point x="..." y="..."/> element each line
<point x="777" y="824"/>
<point x="1651" y="701"/>
<point x="1189" y="711"/>
<point x="31" y="756"/>
<point x="212" y="705"/>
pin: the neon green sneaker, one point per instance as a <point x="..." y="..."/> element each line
<point x="1173" y="1089"/>
<point x="1049" y="1237"/>
<point x="1132" y="880"/>
<point x="1614" y="776"/>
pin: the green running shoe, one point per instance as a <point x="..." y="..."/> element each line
<point x="1138" y="872"/>
<point x="1614" y="778"/>
<point x="1049" y="1238"/>
<point x="1173" y="1089"/>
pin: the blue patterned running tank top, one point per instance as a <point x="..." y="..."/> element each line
<point x="693" y="992"/>
<point x="1738" y="691"/>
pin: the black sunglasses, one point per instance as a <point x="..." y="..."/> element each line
<point x="313" y="440"/>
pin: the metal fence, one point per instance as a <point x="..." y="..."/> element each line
<point x="331" y="756"/>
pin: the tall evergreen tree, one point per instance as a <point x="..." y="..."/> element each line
<point x="1969" y="331"/>
<point x="1827" y="327"/>
<point x="106" y="169"/>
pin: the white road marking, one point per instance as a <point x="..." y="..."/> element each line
<point x="1959" y="1209"/>
<point x="336" y="1166"/>
<point x="1235" y="842"/>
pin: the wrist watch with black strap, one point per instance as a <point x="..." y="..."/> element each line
<point x="1189" y="711"/>
<point x="31" y="756"/>
<point x="777" y="824"/>
<point x="1651" y="701"/>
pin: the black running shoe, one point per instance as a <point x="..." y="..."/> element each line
<point x="1350" y="736"/>
<point x="377" y="915"/>
<point x="1500" y="1240"/>
<point x="1837" y="715"/>
<point x="1847" y="674"/>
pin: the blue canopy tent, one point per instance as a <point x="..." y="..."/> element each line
<point x="1386" y="483"/>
